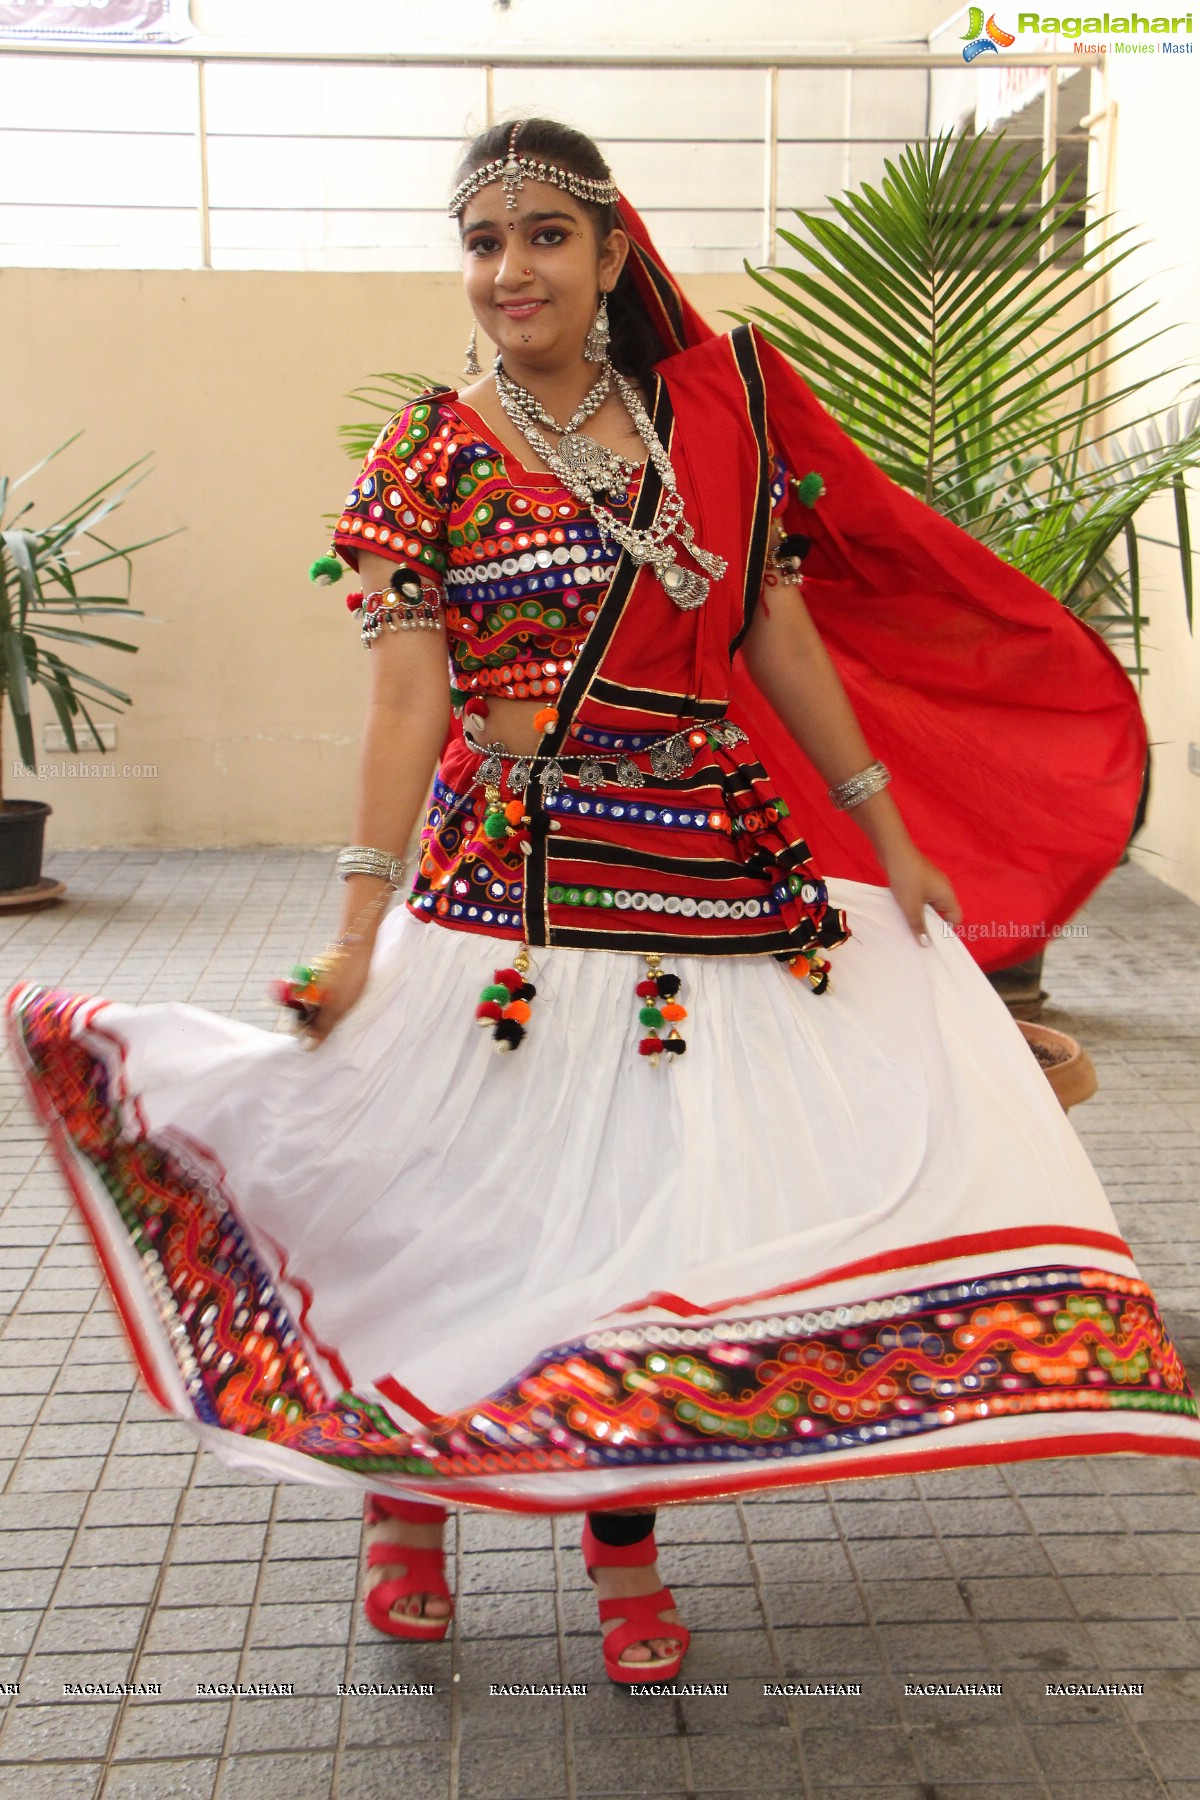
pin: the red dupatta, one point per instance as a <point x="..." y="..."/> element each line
<point x="1014" y="736"/>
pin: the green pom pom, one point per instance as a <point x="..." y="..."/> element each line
<point x="650" y="1016"/>
<point x="782" y="808"/>
<point x="495" y="826"/>
<point x="810" y="489"/>
<point x="302" y="975"/>
<point x="458" y="697"/>
<point x="496" y="991"/>
<point x="327" y="569"/>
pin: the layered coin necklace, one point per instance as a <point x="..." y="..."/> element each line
<point x="588" y="469"/>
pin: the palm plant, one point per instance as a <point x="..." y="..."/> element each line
<point x="41" y="569"/>
<point x="929" y="319"/>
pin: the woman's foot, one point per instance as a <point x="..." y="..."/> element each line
<point x="637" y="1613"/>
<point x="406" y="1593"/>
<point x="618" y="1584"/>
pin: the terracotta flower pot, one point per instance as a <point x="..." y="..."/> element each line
<point x="1066" y="1065"/>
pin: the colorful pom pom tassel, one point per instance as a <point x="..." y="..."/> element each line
<point x="659" y="1007"/>
<point x="504" y="1003"/>
<point x="503" y="819"/>
<point x="810" y="489"/>
<point x="327" y="569"/>
<point x="810" y="966"/>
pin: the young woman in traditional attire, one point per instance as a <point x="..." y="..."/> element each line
<point x="767" y="1188"/>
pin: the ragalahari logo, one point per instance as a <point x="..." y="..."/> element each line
<point x="984" y="37"/>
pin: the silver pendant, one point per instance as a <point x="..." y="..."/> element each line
<point x="628" y="773"/>
<point x="586" y="460"/>
<point x="491" y="770"/>
<point x="670" y="757"/>
<point x="709" y="561"/>
<point x="552" y="777"/>
<point x="727" y="733"/>
<point x="591" y="773"/>
<point x="518" y="775"/>
<point x="686" y="589"/>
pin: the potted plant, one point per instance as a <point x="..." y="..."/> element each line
<point x="927" y="316"/>
<point x="42" y="615"/>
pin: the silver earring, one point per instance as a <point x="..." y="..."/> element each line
<point x="471" y="366"/>
<point x="595" y="344"/>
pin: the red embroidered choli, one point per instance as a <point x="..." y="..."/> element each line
<point x="1013" y="735"/>
<point x="539" y="605"/>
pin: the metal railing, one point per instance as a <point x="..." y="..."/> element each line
<point x="770" y="65"/>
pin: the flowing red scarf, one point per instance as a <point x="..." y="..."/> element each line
<point x="1014" y="736"/>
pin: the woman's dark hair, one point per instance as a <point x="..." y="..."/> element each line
<point x="635" y="345"/>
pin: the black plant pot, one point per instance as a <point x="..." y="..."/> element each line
<point x="22" y="827"/>
<point x="1019" y="985"/>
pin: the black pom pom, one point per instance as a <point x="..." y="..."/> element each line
<point x="510" y="1032"/>
<point x="821" y="982"/>
<point x="668" y="986"/>
<point x="796" y="545"/>
<point x="526" y="991"/>
<point x="675" y="1046"/>
<point x="406" y="583"/>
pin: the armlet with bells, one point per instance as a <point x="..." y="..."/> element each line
<point x="787" y="553"/>
<point x="407" y="603"/>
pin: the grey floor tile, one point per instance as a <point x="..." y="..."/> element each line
<point x="979" y="1751"/>
<point x="626" y="1765"/>
<point x="413" y="1773"/>
<point x="870" y="1759"/>
<point x="61" y="1781"/>
<point x="177" y="1780"/>
<point x="1077" y="1752"/>
<point x="308" y="1776"/>
<point x="158" y="1728"/>
<point x="74" y="1728"/>
<point x="274" y="1723"/>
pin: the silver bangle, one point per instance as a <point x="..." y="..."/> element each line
<point x="362" y="859"/>
<point x="860" y="787"/>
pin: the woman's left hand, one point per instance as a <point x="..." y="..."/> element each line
<point x="916" y="883"/>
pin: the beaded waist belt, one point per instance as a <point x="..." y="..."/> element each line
<point x="669" y="756"/>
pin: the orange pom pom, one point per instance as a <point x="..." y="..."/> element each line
<point x="673" y="1011"/>
<point x="545" y="718"/>
<point x="518" y="1010"/>
<point x="514" y="812"/>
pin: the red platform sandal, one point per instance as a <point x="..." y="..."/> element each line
<point x="640" y="1612"/>
<point x="424" y="1571"/>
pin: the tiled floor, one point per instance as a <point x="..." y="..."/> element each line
<point x="130" y="1557"/>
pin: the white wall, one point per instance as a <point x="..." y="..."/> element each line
<point x="1155" y="156"/>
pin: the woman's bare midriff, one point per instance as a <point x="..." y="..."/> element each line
<point x="509" y="722"/>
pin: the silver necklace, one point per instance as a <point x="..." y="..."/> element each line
<point x="590" y="470"/>
<point x="602" y="469"/>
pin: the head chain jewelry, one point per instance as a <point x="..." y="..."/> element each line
<point x="512" y="171"/>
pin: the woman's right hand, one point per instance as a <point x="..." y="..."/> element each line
<point x="343" y="985"/>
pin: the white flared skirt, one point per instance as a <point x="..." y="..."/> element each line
<point x="844" y="1234"/>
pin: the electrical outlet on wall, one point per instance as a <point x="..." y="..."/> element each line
<point x="55" y="738"/>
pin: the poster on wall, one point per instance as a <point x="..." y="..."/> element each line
<point x="142" y="21"/>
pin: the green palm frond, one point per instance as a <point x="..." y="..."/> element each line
<point x="927" y="316"/>
<point x="386" y="394"/>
